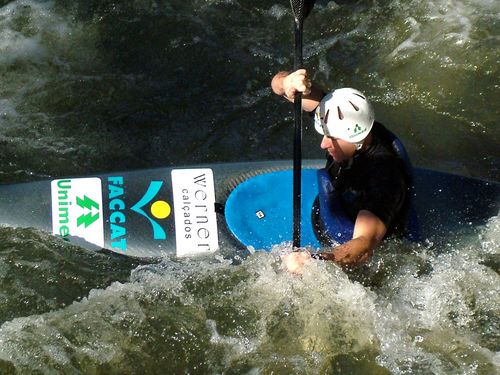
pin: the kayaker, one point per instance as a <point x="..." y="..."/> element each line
<point x="372" y="180"/>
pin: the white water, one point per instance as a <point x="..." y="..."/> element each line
<point x="433" y="311"/>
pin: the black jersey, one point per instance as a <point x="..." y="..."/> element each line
<point x="375" y="179"/>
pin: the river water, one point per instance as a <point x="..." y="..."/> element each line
<point x="96" y="86"/>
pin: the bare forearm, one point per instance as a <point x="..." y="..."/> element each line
<point x="347" y="255"/>
<point x="351" y="253"/>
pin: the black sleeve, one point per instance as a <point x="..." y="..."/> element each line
<point x="386" y="193"/>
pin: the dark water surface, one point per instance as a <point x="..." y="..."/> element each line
<point x="96" y="86"/>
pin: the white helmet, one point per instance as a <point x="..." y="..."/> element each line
<point x="345" y="114"/>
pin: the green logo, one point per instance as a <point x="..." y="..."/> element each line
<point x="357" y="130"/>
<point x="88" y="218"/>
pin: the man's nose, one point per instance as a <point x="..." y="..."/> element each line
<point x="326" y="142"/>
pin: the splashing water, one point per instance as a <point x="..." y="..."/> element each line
<point x="423" y="310"/>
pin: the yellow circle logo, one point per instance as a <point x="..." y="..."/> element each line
<point x="160" y="209"/>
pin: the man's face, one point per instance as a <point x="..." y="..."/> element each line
<point x="339" y="149"/>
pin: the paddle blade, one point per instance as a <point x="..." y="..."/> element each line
<point x="301" y="9"/>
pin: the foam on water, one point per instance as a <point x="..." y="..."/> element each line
<point x="26" y="27"/>
<point x="233" y="313"/>
<point x="420" y="310"/>
<point x="449" y="306"/>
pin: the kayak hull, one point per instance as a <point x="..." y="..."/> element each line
<point x="141" y="213"/>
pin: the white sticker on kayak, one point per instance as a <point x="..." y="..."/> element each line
<point x="194" y="211"/>
<point x="77" y="209"/>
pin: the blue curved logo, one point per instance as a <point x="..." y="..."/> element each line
<point x="154" y="188"/>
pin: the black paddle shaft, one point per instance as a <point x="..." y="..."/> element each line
<point x="300" y="11"/>
<point x="297" y="144"/>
